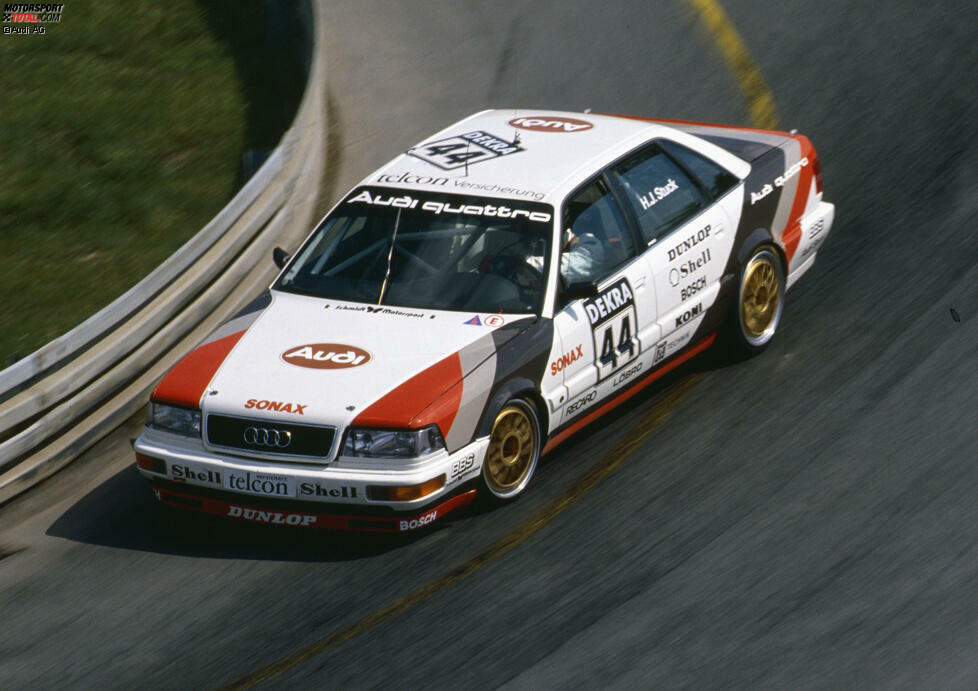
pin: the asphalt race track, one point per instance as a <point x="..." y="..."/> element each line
<point x="805" y="519"/>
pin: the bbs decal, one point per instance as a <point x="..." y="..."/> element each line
<point x="464" y="150"/>
<point x="613" y="326"/>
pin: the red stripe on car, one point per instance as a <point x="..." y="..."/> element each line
<point x="184" y="385"/>
<point x="430" y="397"/>
<point x="625" y="395"/>
<point x="792" y="231"/>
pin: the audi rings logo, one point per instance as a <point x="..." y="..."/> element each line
<point x="272" y="438"/>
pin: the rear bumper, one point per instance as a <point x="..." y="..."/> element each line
<point x="339" y="517"/>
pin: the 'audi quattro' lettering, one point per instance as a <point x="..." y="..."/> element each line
<point x="276" y="406"/>
<point x="277" y="517"/>
<point x="689" y="243"/>
<point x="567" y="359"/>
<point x="416" y="523"/>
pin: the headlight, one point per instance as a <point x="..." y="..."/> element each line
<point x="173" y="419"/>
<point x="385" y="443"/>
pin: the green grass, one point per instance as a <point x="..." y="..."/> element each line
<point x="121" y="135"/>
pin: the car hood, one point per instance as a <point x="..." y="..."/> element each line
<point x="314" y="361"/>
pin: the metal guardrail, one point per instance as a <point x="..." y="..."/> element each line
<point x="63" y="398"/>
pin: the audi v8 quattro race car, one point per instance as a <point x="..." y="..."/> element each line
<point x="474" y="302"/>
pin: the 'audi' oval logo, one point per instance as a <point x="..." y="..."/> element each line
<point x="545" y="123"/>
<point x="326" y="356"/>
<point x="272" y="438"/>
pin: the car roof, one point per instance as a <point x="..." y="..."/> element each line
<point x="517" y="154"/>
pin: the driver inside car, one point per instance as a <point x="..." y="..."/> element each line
<point x="581" y="258"/>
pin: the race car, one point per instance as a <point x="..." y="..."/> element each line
<point x="472" y="304"/>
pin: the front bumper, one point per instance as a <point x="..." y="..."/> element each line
<point x="343" y="495"/>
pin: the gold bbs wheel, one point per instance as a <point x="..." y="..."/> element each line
<point x="514" y="447"/>
<point x="761" y="298"/>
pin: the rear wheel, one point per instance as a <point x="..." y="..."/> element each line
<point x="514" y="449"/>
<point x="760" y="302"/>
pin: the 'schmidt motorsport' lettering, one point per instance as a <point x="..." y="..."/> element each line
<point x="438" y="208"/>
<point x="689" y="243"/>
<point x="278" y="517"/>
<point x="418" y="522"/>
<point x="567" y="359"/>
<point x="276" y="406"/>
<point x="609" y="302"/>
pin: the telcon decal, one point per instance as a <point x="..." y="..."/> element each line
<point x="551" y="124"/>
<point x="326" y="356"/>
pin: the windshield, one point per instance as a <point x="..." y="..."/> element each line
<point x="436" y="251"/>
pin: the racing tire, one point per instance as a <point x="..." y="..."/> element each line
<point x="757" y="310"/>
<point x="514" y="450"/>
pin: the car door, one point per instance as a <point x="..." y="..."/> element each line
<point x="601" y="339"/>
<point x="688" y="237"/>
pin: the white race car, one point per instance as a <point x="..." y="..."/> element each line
<point x="473" y="303"/>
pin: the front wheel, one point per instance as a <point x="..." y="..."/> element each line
<point x="760" y="302"/>
<point x="514" y="449"/>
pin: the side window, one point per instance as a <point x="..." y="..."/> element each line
<point x="714" y="178"/>
<point x="659" y="192"/>
<point x="595" y="239"/>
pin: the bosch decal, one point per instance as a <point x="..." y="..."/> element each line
<point x="326" y="356"/>
<point x="416" y="523"/>
<point x="693" y="288"/>
<point x="613" y="325"/>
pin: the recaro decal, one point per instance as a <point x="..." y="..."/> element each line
<point x="551" y="123"/>
<point x="613" y="326"/>
<point x="326" y="356"/>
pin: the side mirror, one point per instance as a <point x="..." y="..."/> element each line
<point x="574" y="291"/>
<point x="280" y="257"/>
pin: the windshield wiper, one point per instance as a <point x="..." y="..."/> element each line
<point x="390" y="255"/>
